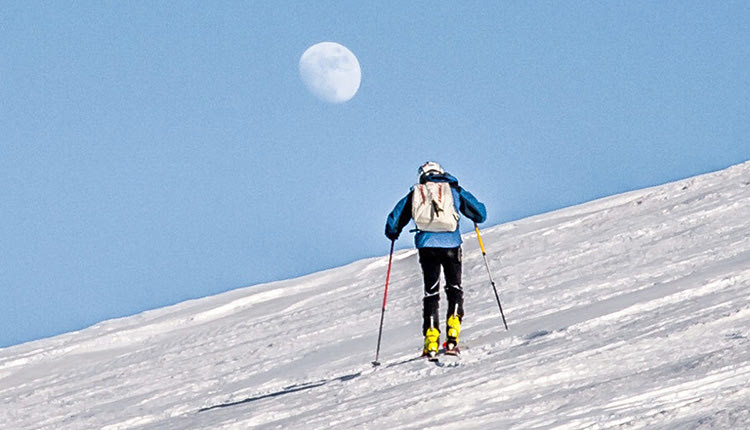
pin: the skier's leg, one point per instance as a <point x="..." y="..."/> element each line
<point x="452" y="269"/>
<point x="431" y="301"/>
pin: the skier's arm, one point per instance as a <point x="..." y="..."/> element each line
<point x="471" y="207"/>
<point x="398" y="218"/>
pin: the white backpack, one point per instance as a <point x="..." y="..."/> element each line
<point x="432" y="207"/>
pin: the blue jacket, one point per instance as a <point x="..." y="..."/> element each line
<point x="464" y="201"/>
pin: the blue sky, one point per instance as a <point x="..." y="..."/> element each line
<point x="152" y="152"/>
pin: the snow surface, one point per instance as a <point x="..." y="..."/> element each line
<point x="627" y="312"/>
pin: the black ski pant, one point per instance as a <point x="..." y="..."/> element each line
<point x="432" y="260"/>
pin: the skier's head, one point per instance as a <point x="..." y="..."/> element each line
<point x="429" y="168"/>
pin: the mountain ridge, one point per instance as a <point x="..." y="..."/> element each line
<point x="630" y="310"/>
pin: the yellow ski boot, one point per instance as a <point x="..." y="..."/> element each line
<point x="453" y="330"/>
<point x="431" y="340"/>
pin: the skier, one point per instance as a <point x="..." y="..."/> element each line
<point x="434" y="205"/>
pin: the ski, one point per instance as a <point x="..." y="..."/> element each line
<point x="450" y="348"/>
<point x="446" y="357"/>
<point x="451" y="357"/>
<point x="431" y="356"/>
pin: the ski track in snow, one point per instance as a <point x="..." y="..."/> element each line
<point x="627" y="312"/>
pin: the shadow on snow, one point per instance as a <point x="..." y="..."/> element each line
<point x="286" y="390"/>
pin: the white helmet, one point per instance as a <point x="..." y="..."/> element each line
<point x="430" y="168"/>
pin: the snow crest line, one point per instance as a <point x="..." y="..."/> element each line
<point x="629" y="311"/>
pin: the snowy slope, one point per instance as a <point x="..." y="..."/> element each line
<point x="630" y="311"/>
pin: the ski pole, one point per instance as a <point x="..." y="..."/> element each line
<point x="385" y="297"/>
<point x="484" y="255"/>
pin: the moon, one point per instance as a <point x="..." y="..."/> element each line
<point x="331" y="72"/>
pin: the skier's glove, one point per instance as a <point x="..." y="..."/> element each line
<point x="392" y="235"/>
